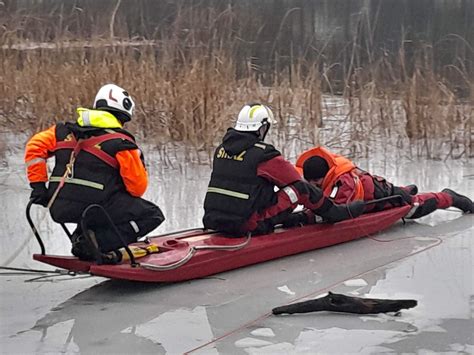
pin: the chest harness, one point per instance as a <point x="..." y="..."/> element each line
<point x="90" y="145"/>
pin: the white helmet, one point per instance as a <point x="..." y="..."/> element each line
<point x="252" y="117"/>
<point x="113" y="98"/>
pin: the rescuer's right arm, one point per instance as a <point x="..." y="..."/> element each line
<point x="38" y="149"/>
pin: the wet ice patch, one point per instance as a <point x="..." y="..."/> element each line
<point x="280" y="348"/>
<point x="55" y="339"/>
<point x="381" y="318"/>
<point x="251" y="342"/>
<point x="167" y="329"/>
<point x="263" y="332"/>
<point x="435" y="329"/>
<point x="396" y="295"/>
<point x="355" y="283"/>
<point x="336" y="340"/>
<point x="286" y="290"/>
<point x="462" y="348"/>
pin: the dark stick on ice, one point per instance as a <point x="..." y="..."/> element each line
<point x="341" y="303"/>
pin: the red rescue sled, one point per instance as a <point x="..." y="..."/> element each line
<point x="196" y="253"/>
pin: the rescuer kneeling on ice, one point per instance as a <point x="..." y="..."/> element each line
<point x="97" y="162"/>
<point x="241" y="196"/>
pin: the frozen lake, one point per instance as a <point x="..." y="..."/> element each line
<point x="430" y="260"/>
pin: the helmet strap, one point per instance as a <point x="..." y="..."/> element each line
<point x="263" y="130"/>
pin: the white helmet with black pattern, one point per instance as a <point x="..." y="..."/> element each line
<point x="116" y="100"/>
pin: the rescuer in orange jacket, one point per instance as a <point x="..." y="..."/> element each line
<point x="343" y="182"/>
<point x="96" y="162"/>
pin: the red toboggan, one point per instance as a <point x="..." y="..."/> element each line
<point x="195" y="253"/>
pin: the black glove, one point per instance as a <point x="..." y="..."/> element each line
<point x="337" y="213"/>
<point x="39" y="195"/>
<point x="296" y="219"/>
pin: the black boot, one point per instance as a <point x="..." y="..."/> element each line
<point x="459" y="201"/>
<point x="411" y="189"/>
<point x="82" y="248"/>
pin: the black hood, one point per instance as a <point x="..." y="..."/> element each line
<point x="235" y="142"/>
<point x="83" y="132"/>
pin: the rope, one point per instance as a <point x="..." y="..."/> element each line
<point x="67" y="173"/>
<point x="54" y="278"/>
<point x="30" y="271"/>
<point x="193" y="251"/>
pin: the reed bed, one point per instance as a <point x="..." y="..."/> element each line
<point x="191" y="104"/>
<point x="190" y="85"/>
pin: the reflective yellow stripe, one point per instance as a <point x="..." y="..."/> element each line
<point x="82" y="182"/>
<point x="253" y="109"/>
<point x="228" y="193"/>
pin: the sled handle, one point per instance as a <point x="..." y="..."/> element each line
<point x="32" y="226"/>
<point x="385" y="199"/>
<point x="35" y="231"/>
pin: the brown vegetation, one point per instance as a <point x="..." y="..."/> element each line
<point x="189" y="87"/>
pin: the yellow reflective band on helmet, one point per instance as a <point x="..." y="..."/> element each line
<point x="81" y="182"/>
<point x="228" y="193"/>
<point x="253" y="109"/>
<point x="97" y="118"/>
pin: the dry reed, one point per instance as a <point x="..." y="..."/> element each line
<point x="189" y="88"/>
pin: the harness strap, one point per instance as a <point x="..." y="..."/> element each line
<point x="90" y="145"/>
<point x="102" y="156"/>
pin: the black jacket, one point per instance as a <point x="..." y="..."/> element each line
<point x="235" y="191"/>
<point x="92" y="179"/>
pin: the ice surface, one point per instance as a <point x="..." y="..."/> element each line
<point x="263" y="332"/>
<point x="90" y="315"/>
<point x="285" y="289"/>
<point x="355" y="283"/>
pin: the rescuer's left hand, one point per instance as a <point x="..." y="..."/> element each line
<point x="39" y="195"/>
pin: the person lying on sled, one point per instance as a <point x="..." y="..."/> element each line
<point x="343" y="182"/>
<point x="241" y="196"/>
<point x="96" y="162"/>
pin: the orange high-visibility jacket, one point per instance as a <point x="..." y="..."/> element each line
<point x="43" y="144"/>
<point x="338" y="165"/>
